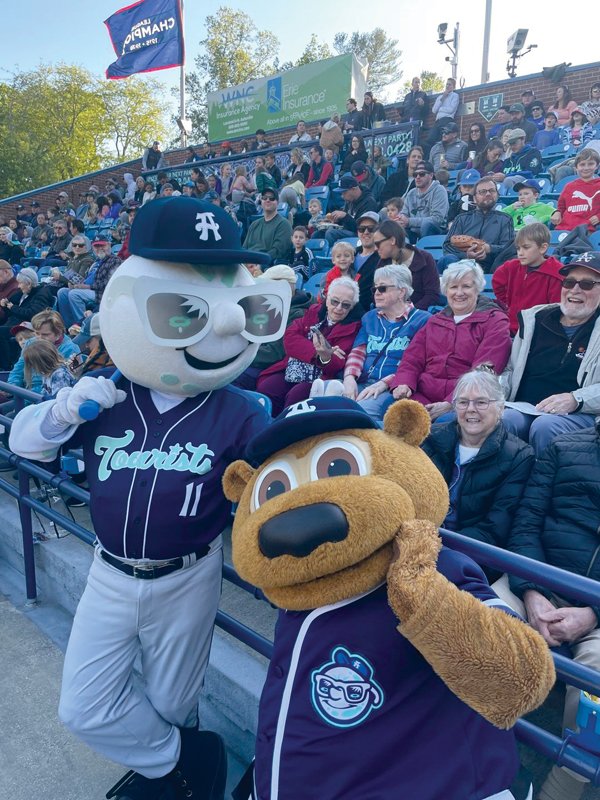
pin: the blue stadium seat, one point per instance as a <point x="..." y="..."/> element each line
<point x="551" y="153"/>
<point x="320" y="193"/>
<point x="545" y="183"/>
<point x="556" y="238"/>
<point x="323" y="263"/>
<point x="283" y="209"/>
<point x="595" y="239"/>
<point x="319" y="247"/>
<point x="562" y="183"/>
<point x="353" y="240"/>
<point x="313" y="285"/>
<point x="262" y="399"/>
<point x="432" y="245"/>
<point x="488" y="289"/>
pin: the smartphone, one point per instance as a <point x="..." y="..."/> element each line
<point x="315" y="329"/>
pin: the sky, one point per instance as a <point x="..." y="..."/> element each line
<point x="73" y="32"/>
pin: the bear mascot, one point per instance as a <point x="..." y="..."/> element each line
<point x="181" y="319"/>
<point x="396" y="672"/>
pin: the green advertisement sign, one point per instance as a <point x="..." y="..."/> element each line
<point x="311" y="92"/>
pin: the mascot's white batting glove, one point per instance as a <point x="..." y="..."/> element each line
<point x="65" y="411"/>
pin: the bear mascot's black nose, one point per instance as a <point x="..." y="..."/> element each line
<point x="301" y="530"/>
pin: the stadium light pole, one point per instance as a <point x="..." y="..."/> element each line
<point x="485" y="75"/>
<point x="182" y="84"/>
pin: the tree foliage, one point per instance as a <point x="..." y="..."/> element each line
<point x="233" y="51"/>
<point x="381" y="53"/>
<point x="314" y="51"/>
<point x="134" y="114"/>
<point x="61" y="121"/>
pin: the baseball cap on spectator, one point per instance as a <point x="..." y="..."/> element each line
<point x="226" y="145"/>
<point x="22" y="326"/>
<point x="99" y="242"/>
<point x="589" y="260"/>
<point x="93" y="189"/>
<point x="132" y="205"/>
<point x="348" y="181"/>
<point x="517" y="107"/>
<point x="450" y="127"/>
<point x="372" y="215"/>
<point x="359" y="170"/>
<point x="528" y="184"/>
<point x="551" y="113"/>
<point x="273" y="192"/>
<point x="62" y="194"/>
<point x="20" y="207"/>
<point x="527" y="92"/>
<point x="516" y="133"/>
<point x="191" y="184"/>
<point x="536" y="104"/>
<point x="95" y="325"/>
<point x="35" y="204"/>
<point x="212" y="195"/>
<point x="469" y="177"/>
<point x="425" y="166"/>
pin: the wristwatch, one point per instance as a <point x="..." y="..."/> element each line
<point x="579" y="400"/>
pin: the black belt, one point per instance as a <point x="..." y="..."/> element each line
<point x="150" y="571"/>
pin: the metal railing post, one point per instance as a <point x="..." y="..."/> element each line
<point x="27" y="533"/>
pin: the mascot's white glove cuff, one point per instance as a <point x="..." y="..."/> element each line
<point x="103" y="391"/>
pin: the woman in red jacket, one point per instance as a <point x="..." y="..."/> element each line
<point x="471" y="331"/>
<point x="316" y="346"/>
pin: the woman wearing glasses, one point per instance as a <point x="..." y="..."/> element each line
<point x="471" y="331"/>
<point x="385" y="333"/>
<point x="486" y="468"/>
<point x="316" y="346"/>
<point x="553" y="378"/>
<point x="393" y="248"/>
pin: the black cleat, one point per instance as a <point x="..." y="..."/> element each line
<point x="201" y="771"/>
<point x="134" y="786"/>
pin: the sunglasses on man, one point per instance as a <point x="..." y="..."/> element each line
<point x="587" y="284"/>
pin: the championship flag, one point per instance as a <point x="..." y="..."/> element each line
<point x="146" y="36"/>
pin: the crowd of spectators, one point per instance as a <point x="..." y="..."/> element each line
<point x="507" y="366"/>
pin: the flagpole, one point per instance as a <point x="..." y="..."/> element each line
<point x="182" y="86"/>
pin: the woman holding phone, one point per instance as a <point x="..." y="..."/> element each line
<point x="316" y="346"/>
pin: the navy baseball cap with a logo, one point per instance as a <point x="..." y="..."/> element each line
<point x="187" y="230"/>
<point x="308" y="418"/>
<point x="589" y="260"/>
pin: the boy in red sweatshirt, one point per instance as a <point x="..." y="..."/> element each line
<point x="532" y="278"/>
<point x="579" y="201"/>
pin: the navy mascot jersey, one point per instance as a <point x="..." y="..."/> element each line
<point x="155" y="478"/>
<point x="351" y="709"/>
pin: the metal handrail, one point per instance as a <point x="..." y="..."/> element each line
<point x="563" y="751"/>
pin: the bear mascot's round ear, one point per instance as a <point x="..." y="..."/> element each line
<point x="237" y="476"/>
<point x="407" y="420"/>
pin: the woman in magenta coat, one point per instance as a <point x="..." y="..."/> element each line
<point x="316" y="346"/>
<point x="472" y="330"/>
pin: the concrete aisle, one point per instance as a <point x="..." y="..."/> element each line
<point x="39" y="759"/>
